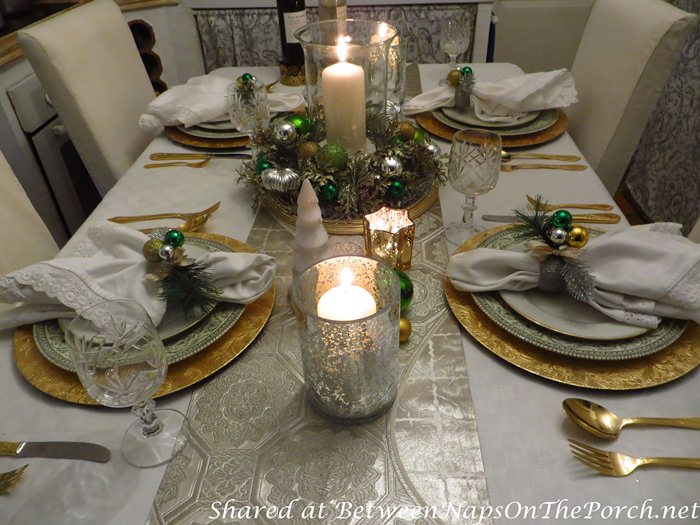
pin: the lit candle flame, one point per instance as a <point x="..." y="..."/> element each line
<point x="341" y="50"/>
<point x="346" y="277"/>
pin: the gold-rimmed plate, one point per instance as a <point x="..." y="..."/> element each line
<point x="184" y="139"/>
<point x="65" y="385"/>
<point x="676" y="360"/>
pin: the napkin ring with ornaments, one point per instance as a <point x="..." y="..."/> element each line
<point x="182" y="281"/>
<point x="556" y="243"/>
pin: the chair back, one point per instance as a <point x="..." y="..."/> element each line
<point x="695" y="232"/>
<point x="23" y="235"/>
<point x="88" y="63"/>
<point x="627" y="53"/>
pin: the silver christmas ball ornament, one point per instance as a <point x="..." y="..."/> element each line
<point x="166" y="252"/>
<point x="391" y="166"/>
<point x="557" y="236"/>
<point x="279" y="180"/>
<point x="284" y="132"/>
<point x="432" y="148"/>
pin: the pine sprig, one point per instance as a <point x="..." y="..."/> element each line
<point x="532" y="222"/>
<point x="189" y="287"/>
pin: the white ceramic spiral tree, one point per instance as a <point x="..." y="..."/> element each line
<point x="311" y="239"/>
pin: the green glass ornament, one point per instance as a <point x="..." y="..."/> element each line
<point x="247" y="77"/>
<point x="420" y="135"/>
<point x="398" y="141"/>
<point x="261" y="164"/>
<point x="406" y="289"/>
<point x="332" y="157"/>
<point x="561" y="219"/>
<point x="302" y="124"/>
<point x="397" y="188"/>
<point x="329" y="192"/>
<point x="466" y="70"/>
<point x="174" y="238"/>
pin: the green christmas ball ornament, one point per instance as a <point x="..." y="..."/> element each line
<point x="466" y="70"/>
<point x="174" y="238"/>
<point x="420" y="135"/>
<point x="247" y="77"/>
<point x="406" y="289"/>
<point x="261" y="164"/>
<point x="329" y="192"/>
<point x="561" y="219"/>
<point x="245" y="82"/>
<point x="302" y="124"/>
<point x="332" y="157"/>
<point x="397" y="188"/>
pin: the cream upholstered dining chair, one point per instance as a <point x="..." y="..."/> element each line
<point x="626" y="55"/>
<point x="87" y="62"/>
<point x="23" y="235"/>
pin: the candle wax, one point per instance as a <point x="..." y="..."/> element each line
<point x="346" y="302"/>
<point x="344" y="105"/>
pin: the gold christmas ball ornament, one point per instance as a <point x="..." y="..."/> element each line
<point x="577" y="237"/>
<point x="307" y="150"/>
<point x="404" y="330"/>
<point x="453" y="77"/>
<point x="151" y="250"/>
<point x="406" y="130"/>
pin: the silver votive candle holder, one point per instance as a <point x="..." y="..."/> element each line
<point x="347" y="311"/>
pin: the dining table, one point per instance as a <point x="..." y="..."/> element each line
<point x="468" y="429"/>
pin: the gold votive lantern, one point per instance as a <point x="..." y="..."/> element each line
<point x="389" y="237"/>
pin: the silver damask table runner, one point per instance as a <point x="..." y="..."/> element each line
<point x="259" y="454"/>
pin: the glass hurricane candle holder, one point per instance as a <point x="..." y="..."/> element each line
<point x="347" y="311"/>
<point x="346" y="78"/>
<point x="389" y="237"/>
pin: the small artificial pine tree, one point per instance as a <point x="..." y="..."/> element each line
<point x="311" y="239"/>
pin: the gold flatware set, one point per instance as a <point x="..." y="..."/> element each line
<point x="508" y="156"/>
<point x="193" y="221"/>
<point x="602" y="423"/>
<point x="190" y="160"/>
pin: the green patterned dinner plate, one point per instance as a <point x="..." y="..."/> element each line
<point x="544" y="120"/>
<point x="50" y="340"/>
<point x="498" y="311"/>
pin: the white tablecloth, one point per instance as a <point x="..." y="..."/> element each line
<point x="521" y="425"/>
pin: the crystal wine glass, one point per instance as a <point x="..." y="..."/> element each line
<point x="473" y="168"/>
<point x="454" y="39"/>
<point x="248" y="109"/>
<point x="121" y="361"/>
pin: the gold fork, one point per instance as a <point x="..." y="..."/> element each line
<point x="618" y="464"/>
<point x="10" y="479"/>
<point x="552" y="207"/>
<point x="198" y="164"/>
<point x="193" y="221"/>
<point x="567" y="167"/>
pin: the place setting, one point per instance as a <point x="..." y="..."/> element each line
<point x="576" y="304"/>
<point x="208" y="296"/>
<point x="524" y="110"/>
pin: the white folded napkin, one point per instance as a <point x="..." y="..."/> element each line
<point x="506" y="100"/>
<point x="202" y="99"/>
<point x="112" y="266"/>
<point x="641" y="273"/>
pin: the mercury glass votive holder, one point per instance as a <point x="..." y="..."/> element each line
<point x="350" y="366"/>
<point x="389" y="237"/>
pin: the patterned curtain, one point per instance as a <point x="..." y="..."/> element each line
<point x="664" y="175"/>
<point x="250" y="37"/>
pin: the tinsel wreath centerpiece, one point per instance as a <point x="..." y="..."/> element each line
<point x="556" y="242"/>
<point x="402" y="172"/>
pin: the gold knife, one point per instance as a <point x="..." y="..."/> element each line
<point x="567" y="167"/>
<point x="599" y="218"/>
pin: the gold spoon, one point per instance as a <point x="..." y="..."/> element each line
<point x="507" y="156"/>
<point x="602" y="423"/>
<point x="198" y="164"/>
<point x="552" y="207"/>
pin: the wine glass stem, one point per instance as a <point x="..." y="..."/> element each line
<point x="453" y="62"/>
<point x="469" y="207"/>
<point x="145" y="411"/>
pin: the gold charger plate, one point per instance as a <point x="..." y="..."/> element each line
<point x="355" y="227"/>
<point x="432" y="125"/>
<point x="678" y="359"/>
<point x="66" y="386"/>
<point x="184" y="139"/>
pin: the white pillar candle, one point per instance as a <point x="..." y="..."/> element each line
<point x="346" y="302"/>
<point x="344" y="102"/>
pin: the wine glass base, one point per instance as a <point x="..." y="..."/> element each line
<point x="144" y="451"/>
<point x="457" y="233"/>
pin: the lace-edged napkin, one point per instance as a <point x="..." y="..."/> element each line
<point x="641" y="274"/>
<point x="506" y="100"/>
<point x="202" y="99"/>
<point x="111" y="265"/>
